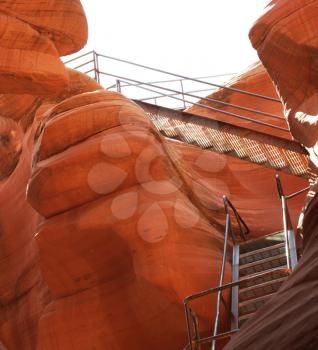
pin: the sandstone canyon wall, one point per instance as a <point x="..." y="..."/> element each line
<point x="111" y="243"/>
<point x="119" y="224"/>
<point x="255" y="80"/>
<point x="285" y="38"/>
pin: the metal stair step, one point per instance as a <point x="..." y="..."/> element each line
<point x="252" y="305"/>
<point x="263" y="265"/>
<point x="262" y="253"/>
<point x="272" y="274"/>
<point x="268" y="287"/>
<point x="244" y="318"/>
<point x="262" y="242"/>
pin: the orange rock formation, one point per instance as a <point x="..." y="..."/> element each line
<point x="286" y="40"/>
<point x="257" y="81"/>
<point x="119" y="224"/>
<point x="34" y="34"/>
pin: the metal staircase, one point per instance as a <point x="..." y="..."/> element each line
<point x="261" y="255"/>
<point x="259" y="267"/>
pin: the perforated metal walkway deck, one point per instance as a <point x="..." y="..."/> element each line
<point x="254" y="146"/>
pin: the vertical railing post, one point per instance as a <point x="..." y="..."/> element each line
<point x="182" y="94"/>
<point x="235" y="289"/>
<point x="118" y="86"/>
<point x="187" y="313"/>
<point x="95" y="61"/>
<point x="97" y="67"/>
<point x="219" y="295"/>
<point x="290" y="241"/>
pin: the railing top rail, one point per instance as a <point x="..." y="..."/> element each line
<point x="198" y="104"/>
<point x="210" y="99"/>
<point x="173" y="94"/>
<point x="297" y="193"/>
<point x="78" y="57"/>
<point x="191" y="79"/>
<point x="228" y="204"/>
<point x="231" y="284"/>
<point x="180" y="79"/>
<point x="292" y="195"/>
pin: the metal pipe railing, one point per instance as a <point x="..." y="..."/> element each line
<point x="228" y="232"/>
<point x="198" y="104"/>
<point x="182" y="93"/>
<point x="209" y="291"/>
<point x="289" y="232"/>
<point x="85" y="64"/>
<point x="175" y="94"/>
<point x="219" y="293"/>
<point x="96" y="66"/>
<point x="180" y="79"/>
<point x="191" y="79"/>
<point x="228" y="229"/>
<point x="78" y="57"/>
<point x="295" y="194"/>
<point x="209" y="99"/>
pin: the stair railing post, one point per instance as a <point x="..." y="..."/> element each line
<point x="187" y="313"/>
<point x="118" y="86"/>
<point x="235" y="289"/>
<point x="97" y="67"/>
<point x="219" y="294"/>
<point x="182" y="94"/>
<point x="290" y="241"/>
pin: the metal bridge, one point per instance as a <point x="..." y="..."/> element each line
<point x="244" y="142"/>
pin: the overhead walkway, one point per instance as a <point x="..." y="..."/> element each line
<point x="250" y="144"/>
<point x="221" y="137"/>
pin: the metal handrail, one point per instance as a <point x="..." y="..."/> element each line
<point x="182" y="93"/>
<point x="176" y="80"/>
<point x="153" y="97"/>
<point x="78" y="57"/>
<point x="191" y="79"/>
<point x="297" y="193"/>
<point x="244" y="230"/>
<point x="209" y="291"/>
<point x="239" y="219"/>
<point x="291" y="255"/>
<point x="210" y="99"/>
<point x="205" y="106"/>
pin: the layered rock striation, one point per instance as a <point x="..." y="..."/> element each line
<point x="106" y="225"/>
<point x="286" y="40"/>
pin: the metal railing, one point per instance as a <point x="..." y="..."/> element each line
<point x="189" y="78"/>
<point x="289" y="232"/>
<point x="187" y="98"/>
<point x="194" y="340"/>
<point x="95" y="72"/>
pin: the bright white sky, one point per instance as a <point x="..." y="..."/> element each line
<point x="192" y="38"/>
